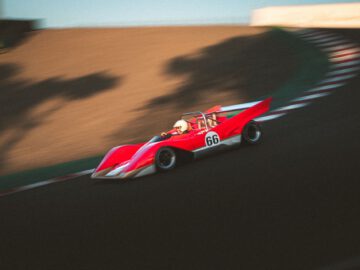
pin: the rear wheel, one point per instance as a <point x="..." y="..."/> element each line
<point x="252" y="133"/>
<point x="165" y="159"/>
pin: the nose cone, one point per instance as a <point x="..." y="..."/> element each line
<point x="113" y="172"/>
<point x="100" y="174"/>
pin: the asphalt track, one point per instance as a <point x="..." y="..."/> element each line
<point x="291" y="202"/>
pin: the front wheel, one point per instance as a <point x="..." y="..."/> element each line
<point x="165" y="159"/>
<point x="252" y="133"/>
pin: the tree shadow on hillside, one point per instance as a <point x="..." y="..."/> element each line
<point x="15" y="32"/>
<point x="236" y="70"/>
<point x="18" y="99"/>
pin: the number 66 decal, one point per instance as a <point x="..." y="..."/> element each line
<point x="212" y="138"/>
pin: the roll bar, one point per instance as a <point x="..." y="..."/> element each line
<point x="197" y="113"/>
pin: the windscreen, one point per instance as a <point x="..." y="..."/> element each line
<point x="156" y="139"/>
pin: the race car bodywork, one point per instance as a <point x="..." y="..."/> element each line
<point x="217" y="128"/>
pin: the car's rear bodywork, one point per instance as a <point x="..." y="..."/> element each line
<point x="210" y="131"/>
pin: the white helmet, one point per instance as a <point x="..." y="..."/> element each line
<point x="182" y="125"/>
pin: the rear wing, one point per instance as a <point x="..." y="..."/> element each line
<point x="249" y="111"/>
<point x="239" y="107"/>
<point x="231" y="108"/>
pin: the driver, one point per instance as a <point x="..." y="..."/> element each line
<point x="181" y="127"/>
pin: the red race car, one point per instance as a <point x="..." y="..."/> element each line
<point x="196" y="134"/>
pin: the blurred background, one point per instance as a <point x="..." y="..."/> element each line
<point x="78" y="77"/>
<point x="91" y="13"/>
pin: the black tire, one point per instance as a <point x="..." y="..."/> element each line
<point x="252" y="133"/>
<point x="165" y="159"/>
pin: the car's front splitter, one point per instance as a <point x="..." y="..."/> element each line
<point x="106" y="174"/>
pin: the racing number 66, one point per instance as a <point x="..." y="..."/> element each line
<point x="212" y="138"/>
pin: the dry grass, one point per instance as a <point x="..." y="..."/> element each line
<point x="70" y="94"/>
